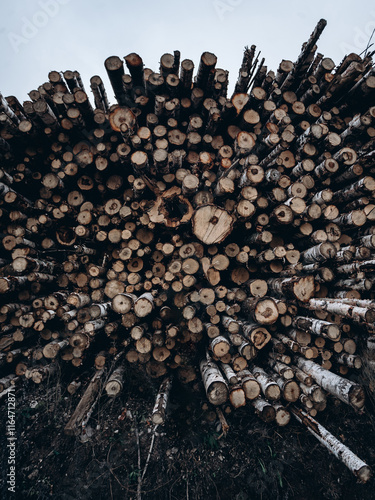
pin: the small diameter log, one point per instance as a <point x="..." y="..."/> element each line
<point x="282" y="416"/>
<point x="250" y="384"/>
<point x="359" y="468"/>
<point x="318" y="327"/>
<point x="237" y="396"/>
<point x="79" y="414"/>
<point x="219" y="346"/>
<point x="342" y="309"/>
<point x="74" y="386"/>
<point x="264" y="409"/>
<point x="159" y="412"/>
<point x="258" y="335"/>
<point x="115" y="382"/>
<point x="345" y="390"/>
<point x="40" y="373"/>
<point x="214" y="383"/>
<point x="282" y="369"/>
<point x="303" y="377"/>
<point x="144" y="305"/>
<point x="229" y="373"/>
<point x="269" y="387"/>
<point x="8" y="381"/>
<point x="349" y="360"/>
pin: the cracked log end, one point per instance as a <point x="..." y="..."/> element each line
<point x="212" y="224"/>
<point x="119" y="116"/>
<point x="171" y="209"/>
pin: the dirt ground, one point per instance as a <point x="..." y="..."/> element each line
<point x="189" y="459"/>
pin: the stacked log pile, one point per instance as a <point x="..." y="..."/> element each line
<point x="228" y="238"/>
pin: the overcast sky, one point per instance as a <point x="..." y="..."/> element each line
<point x="37" y="36"/>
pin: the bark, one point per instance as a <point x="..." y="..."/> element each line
<point x="79" y="414"/>
<point x="114" y="384"/>
<point x="270" y="389"/>
<point x="359" y="468"/>
<point x="318" y="327"/>
<point x="159" y="411"/>
<point x="342" y="309"/>
<point x="264" y="409"/>
<point x="343" y="389"/>
<point x="263" y="311"/>
<point x="214" y="383"/>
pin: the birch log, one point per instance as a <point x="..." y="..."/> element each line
<point x="359" y="468"/>
<point x="345" y="390"/>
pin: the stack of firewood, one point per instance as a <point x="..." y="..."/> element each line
<point x="227" y="238"/>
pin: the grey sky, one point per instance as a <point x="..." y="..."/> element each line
<point x="37" y="36"/>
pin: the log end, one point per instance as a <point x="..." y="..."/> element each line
<point x="212" y="224"/>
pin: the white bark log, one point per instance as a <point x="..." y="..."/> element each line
<point x="214" y="383"/>
<point x="343" y="389"/>
<point x="359" y="468"/>
<point x="161" y="402"/>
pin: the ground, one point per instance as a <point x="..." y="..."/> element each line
<point x="189" y="460"/>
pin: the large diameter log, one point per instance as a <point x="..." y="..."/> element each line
<point x="121" y="115"/>
<point x="319" y="253"/>
<point x="212" y="224"/>
<point x="161" y="402"/>
<point x="359" y="468"/>
<point x="122" y="303"/>
<point x="301" y="289"/>
<point x="171" y="209"/>
<point x="12" y="283"/>
<point x="263" y="311"/>
<point x="345" y="390"/>
<point x="290" y="390"/>
<point x="214" y="383"/>
<point x="237" y="396"/>
<point x="51" y="350"/>
<point x="220" y="346"/>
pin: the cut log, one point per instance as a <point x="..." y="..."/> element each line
<point x="115" y="382"/>
<point x="159" y="412"/>
<point x="348" y="392"/>
<point x="79" y="414"/>
<point x="211" y="224"/>
<point x="359" y="468"/>
<point x="214" y="383"/>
